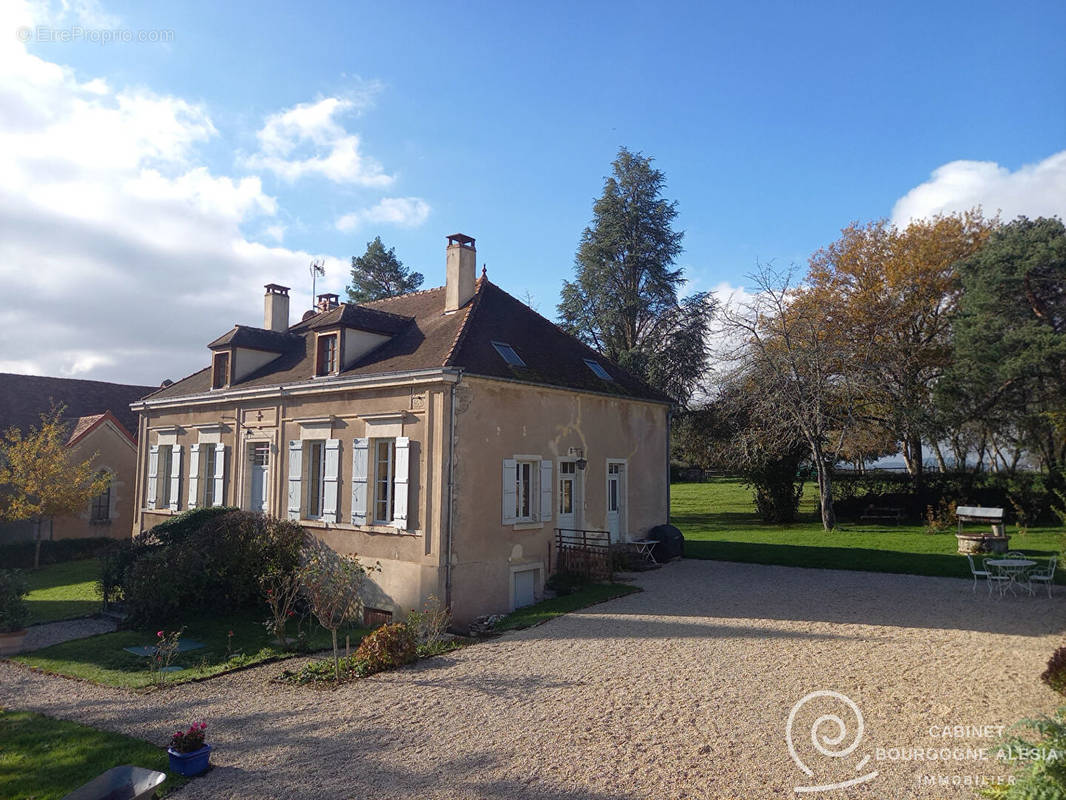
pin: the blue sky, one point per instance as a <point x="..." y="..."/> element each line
<point x="776" y="125"/>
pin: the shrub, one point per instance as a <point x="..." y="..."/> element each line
<point x="1055" y="674"/>
<point x="181" y="526"/>
<point x="566" y="583"/>
<point x="215" y="569"/>
<point x="1042" y="768"/>
<point x="57" y="551"/>
<point x="13" y="590"/>
<point x="941" y="519"/>
<point x="429" y="625"/>
<point x="387" y="647"/>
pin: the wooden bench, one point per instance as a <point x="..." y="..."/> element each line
<point x="882" y="514"/>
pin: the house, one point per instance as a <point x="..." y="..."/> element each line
<point x="444" y="433"/>
<point x="101" y="422"/>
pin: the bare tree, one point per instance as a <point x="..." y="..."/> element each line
<point x="795" y="355"/>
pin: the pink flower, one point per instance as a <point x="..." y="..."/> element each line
<point x="159" y="634"/>
<point x="231" y="633"/>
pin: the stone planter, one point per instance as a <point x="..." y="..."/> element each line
<point x="11" y="642"/>
<point x="975" y="543"/>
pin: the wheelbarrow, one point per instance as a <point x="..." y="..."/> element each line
<point x="120" y="783"/>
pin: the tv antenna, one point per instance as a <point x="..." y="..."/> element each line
<point x="318" y="267"/>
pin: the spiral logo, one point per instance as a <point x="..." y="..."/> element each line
<point x="830" y="736"/>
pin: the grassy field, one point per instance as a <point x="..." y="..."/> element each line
<point x="43" y="758"/>
<point x="63" y="591"/>
<point x="102" y="659"/>
<point x="719" y="522"/>
<point x="549" y="609"/>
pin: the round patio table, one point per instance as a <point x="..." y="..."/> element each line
<point x="1013" y="568"/>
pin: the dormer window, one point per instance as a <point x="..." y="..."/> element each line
<point x="220" y="371"/>
<point x="598" y="370"/>
<point x="326" y="357"/>
<point x="508" y="354"/>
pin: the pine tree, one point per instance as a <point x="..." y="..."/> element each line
<point x="379" y="273"/>
<point x="624" y="300"/>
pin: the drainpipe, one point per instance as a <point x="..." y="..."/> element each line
<point x="669" y="419"/>
<point x="451" y="494"/>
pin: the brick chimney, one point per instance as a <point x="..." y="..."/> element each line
<point x="327" y="302"/>
<point x="276" y="308"/>
<point x="462" y="271"/>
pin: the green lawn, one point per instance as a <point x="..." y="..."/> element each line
<point x="719" y="522"/>
<point x="549" y="609"/>
<point x="43" y="758"/>
<point x="102" y="659"/>
<point x="63" y="591"/>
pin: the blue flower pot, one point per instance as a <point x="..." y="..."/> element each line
<point x="190" y="764"/>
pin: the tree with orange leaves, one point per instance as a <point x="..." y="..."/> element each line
<point x="893" y="293"/>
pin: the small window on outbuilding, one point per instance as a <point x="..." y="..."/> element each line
<point x="598" y="370"/>
<point x="508" y="354"/>
<point x="326" y="358"/>
<point x="220" y="371"/>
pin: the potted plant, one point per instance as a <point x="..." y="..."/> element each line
<point x="13" y="611"/>
<point x="189" y="756"/>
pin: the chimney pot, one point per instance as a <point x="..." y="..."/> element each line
<point x="327" y="302"/>
<point x="276" y="308"/>
<point x="461" y="262"/>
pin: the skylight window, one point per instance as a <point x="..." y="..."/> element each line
<point x="598" y="370"/>
<point x="508" y="354"/>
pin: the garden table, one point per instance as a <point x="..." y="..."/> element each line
<point x="643" y="547"/>
<point x="1013" y="568"/>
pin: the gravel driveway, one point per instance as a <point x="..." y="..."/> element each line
<point x="681" y="691"/>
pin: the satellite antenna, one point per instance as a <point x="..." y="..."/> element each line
<point x="318" y="267"/>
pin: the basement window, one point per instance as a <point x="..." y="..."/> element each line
<point x="598" y="370"/>
<point x="220" y="371"/>
<point x="326" y="358"/>
<point x="508" y="354"/>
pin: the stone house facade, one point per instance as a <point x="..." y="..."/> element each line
<point x="445" y="434"/>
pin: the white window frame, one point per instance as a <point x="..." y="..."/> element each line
<point x="568" y="475"/>
<point x="540" y="490"/>
<point x="389" y="483"/>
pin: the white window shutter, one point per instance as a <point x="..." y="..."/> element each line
<point x="330" y="495"/>
<point x="295" y="473"/>
<point x="175" y="477"/>
<point x="220" y="474"/>
<point x="153" y="475"/>
<point x="360" y="456"/>
<point x="401" y="470"/>
<point x="194" y="473"/>
<point x="510" y="490"/>
<point x="545" y="490"/>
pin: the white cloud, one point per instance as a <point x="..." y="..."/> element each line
<point x="404" y="212"/>
<point x="307" y="139"/>
<point x="121" y="254"/>
<point x="1033" y="190"/>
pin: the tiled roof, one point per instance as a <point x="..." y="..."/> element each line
<point x="256" y="338"/>
<point x="424" y="337"/>
<point x="23" y="398"/>
<point x="363" y="317"/>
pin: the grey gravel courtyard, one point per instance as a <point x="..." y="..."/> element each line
<point x="681" y="691"/>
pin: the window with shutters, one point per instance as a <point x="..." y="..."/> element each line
<point x="314" y="473"/>
<point x="527" y="490"/>
<point x="384" y="479"/>
<point x="326" y="360"/>
<point x="165" y="473"/>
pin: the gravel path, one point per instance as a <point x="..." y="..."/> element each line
<point x="682" y="691"/>
<point x="49" y="633"/>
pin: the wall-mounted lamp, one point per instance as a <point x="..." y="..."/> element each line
<point x="581" y="464"/>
